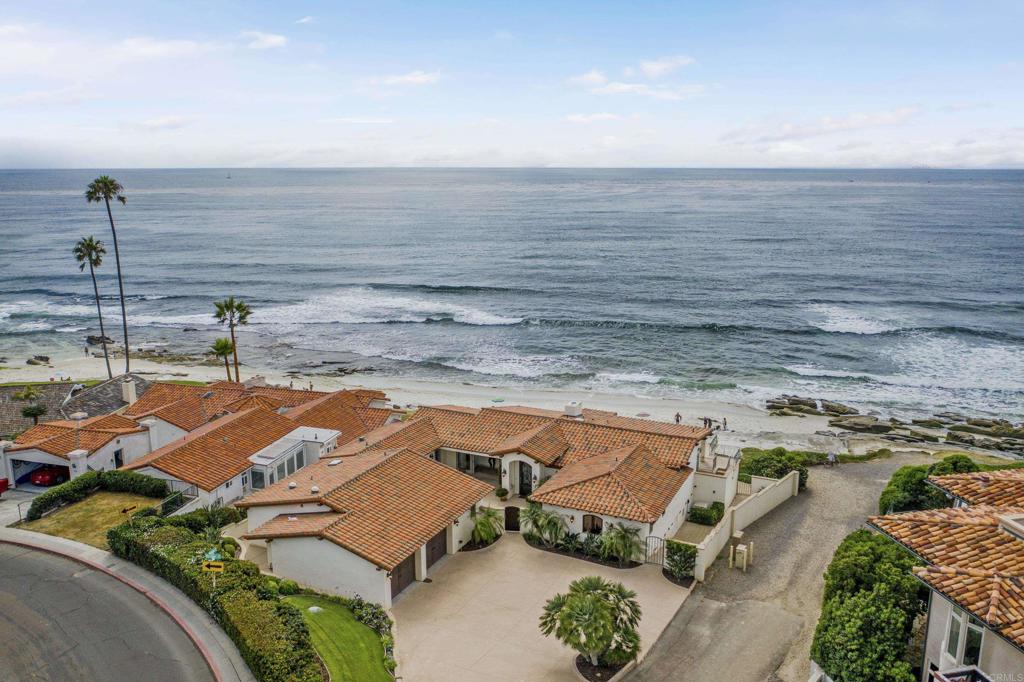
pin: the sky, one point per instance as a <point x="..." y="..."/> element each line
<point x="594" y="84"/>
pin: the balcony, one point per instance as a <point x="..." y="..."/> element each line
<point x="969" y="673"/>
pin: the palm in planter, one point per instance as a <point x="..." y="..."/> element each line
<point x="548" y="526"/>
<point x="623" y="542"/>
<point x="486" y="526"/>
<point x="597" y="618"/>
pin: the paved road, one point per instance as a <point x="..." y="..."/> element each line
<point x="755" y="626"/>
<point x="62" y="621"/>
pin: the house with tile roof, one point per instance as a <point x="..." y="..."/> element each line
<point x="974" y="568"/>
<point x="95" y="444"/>
<point x="367" y="524"/>
<point x="240" y="451"/>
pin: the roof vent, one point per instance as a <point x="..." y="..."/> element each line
<point x="293" y="518"/>
<point x="334" y="463"/>
<point x="574" y="409"/>
<point x="291" y="485"/>
<point x="314" y="489"/>
<point x="1013" y="524"/>
<point x="361" y="439"/>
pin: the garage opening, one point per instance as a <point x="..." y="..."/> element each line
<point x="403" y="574"/>
<point x="437" y="547"/>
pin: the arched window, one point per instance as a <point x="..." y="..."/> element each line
<point x="592" y="524"/>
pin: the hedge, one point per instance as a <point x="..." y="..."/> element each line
<point x="908" y="489"/>
<point x="707" y="516"/>
<point x="271" y="636"/>
<point x="369" y="614"/>
<point x="680" y="559"/>
<point x="776" y="463"/>
<point x="80" y="487"/>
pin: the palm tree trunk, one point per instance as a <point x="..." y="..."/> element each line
<point x="120" y="286"/>
<point x="227" y="367"/>
<point x="99" y="314"/>
<point x="234" y="349"/>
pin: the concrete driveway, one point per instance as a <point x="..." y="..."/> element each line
<point x="477" y="618"/>
<point x="759" y="625"/>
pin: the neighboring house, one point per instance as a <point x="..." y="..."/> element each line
<point x="106" y="397"/>
<point x="627" y="486"/>
<point x="96" y="444"/>
<point x="368" y="524"/>
<point x="974" y="555"/>
<point x="240" y="451"/>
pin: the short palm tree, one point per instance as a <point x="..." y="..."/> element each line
<point x="106" y="189"/>
<point x="223" y="348"/>
<point x="623" y="542"/>
<point x="33" y="412"/>
<point x="232" y="313"/>
<point x="487" y="525"/>
<point x="597" y="618"/>
<point x="90" y="251"/>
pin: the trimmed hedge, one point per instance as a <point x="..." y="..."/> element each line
<point x="680" y="559"/>
<point x="78" y="488"/>
<point x="776" y="463"/>
<point x="908" y="489"/>
<point x="271" y="636"/>
<point x="707" y="516"/>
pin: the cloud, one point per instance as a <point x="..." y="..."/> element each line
<point x="596" y="82"/>
<point x="358" y="121"/>
<point x="7" y="30"/>
<point x="264" y="41"/>
<point x="160" y="123"/>
<point x="656" y="68"/>
<point x="591" y="118"/>
<point x="411" y="78"/>
<point x="965" y="106"/>
<point x="827" y="125"/>
<point x="305" y="20"/>
<point x="134" y="49"/>
<point x="68" y="95"/>
<point x="589" y="79"/>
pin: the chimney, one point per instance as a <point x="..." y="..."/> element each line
<point x="128" y="394"/>
<point x="574" y="409"/>
<point x="78" y="463"/>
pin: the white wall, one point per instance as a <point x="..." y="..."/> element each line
<point x="161" y="433"/>
<point x="675" y="513"/>
<point x="134" y="445"/>
<point x="325" y="566"/>
<point x="510" y="477"/>
<point x="574" y="520"/>
<point x="461" y="534"/>
<point x="770" y="493"/>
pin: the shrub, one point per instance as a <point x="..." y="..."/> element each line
<point x="707" y="516"/>
<point x="621" y="542"/>
<point x="608" y="634"/>
<point x="229" y="547"/>
<point x="776" y="463"/>
<point x="487" y="525"/>
<point x="78" y="488"/>
<point x="680" y="559"/>
<point x="865" y="559"/>
<point x="201" y="519"/>
<point x="288" y="587"/>
<point x="953" y="464"/>
<point x="909" y="490"/>
<point x="501" y="492"/>
<point x="591" y="545"/>
<point x="271" y="636"/>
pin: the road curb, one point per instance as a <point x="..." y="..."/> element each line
<point x="181" y="623"/>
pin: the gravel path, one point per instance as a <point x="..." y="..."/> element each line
<point x="758" y="625"/>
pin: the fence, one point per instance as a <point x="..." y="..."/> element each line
<point x="178" y="499"/>
<point x="655" y="553"/>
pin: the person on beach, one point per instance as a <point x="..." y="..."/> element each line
<point x="832" y="459"/>
<point x="679" y="418"/>
<point x="725" y="424"/>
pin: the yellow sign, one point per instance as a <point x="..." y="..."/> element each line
<point x="213" y="566"/>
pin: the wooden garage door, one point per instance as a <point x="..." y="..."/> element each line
<point x="403" y="575"/>
<point x="437" y="546"/>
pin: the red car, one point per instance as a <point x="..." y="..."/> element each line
<point x="49" y="475"/>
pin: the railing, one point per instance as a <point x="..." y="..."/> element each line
<point x="965" y="674"/>
<point x="178" y="498"/>
<point x="718" y="462"/>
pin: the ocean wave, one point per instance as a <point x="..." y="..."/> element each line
<point x="449" y="288"/>
<point x="363" y="305"/>
<point x="628" y="377"/>
<point x="843" y="320"/>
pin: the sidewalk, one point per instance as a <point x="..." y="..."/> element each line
<point x="211" y="641"/>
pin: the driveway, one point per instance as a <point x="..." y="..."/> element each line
<point x="477" y="618"/>
<point x="62" y="621"/>
<point x="759" y="625"/>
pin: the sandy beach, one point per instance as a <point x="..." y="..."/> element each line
<point x="745" y="425"/>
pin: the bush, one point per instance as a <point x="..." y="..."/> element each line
<point x="122" y="481"/>
<point x="201" y="519"/>
<point x="776" y="463"/>
<point x="500" y="492"/>
<point x="909" y="490"/>
<point x="680" y="559"/>
<point x="707" y="516"/>
<point x="288" y="587"/>
<point x="271" y="636"/>
<point x="865" y="559"/>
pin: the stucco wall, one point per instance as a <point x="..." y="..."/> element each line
<point x="161" y="433"/>
<point x="574" y="520"/>
<point x="325" y="566"/>
<point x="510" y="477"/>
<point x="675" y="513"/>
<point x="462" y="533"/>
<point x="772" y="493"/>
<point x="1000" y="659"/>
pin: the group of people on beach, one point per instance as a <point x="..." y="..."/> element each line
<point x="708" y="422"/>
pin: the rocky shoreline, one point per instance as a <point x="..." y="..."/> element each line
<point x="997" y="435"/>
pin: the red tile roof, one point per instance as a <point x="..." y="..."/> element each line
<point x="1001" y="487"/>
<point x="629" y="483"/>
<point x="64" y="436"/>
<point x="342" y="411"/>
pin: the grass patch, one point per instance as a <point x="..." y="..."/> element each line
<point x="350" y="650"/>
<point x="89" y="520"/>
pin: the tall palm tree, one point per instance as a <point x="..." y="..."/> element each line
<point x="232" y="313"/>
<point x="222" y="348"/>
<point x="90" y="251"/>
<point x="105" y="188"/>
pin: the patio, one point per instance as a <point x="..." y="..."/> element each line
<point x="477" y="618"/>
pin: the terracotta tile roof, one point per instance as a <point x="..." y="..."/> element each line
<point x="64" y="436"/>
<point x="972" y="560"/>
<point x="342" y="411"/>
<point x="250" y="401"/>
<point x="417" y="436"/>
<point x="295" y="525"/>
<point x="545" y="435"/>
<point x="1001" y="487"/>
<point x="390" y="504"/>
<point x="220" y="450"/>
<point x="322" y="474"/>
<point x="629" y="483"/>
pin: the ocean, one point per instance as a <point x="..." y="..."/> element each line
<point x="898" y="291"/>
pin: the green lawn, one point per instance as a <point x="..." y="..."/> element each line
<point x="89" y="520"/>
<point x="351" y="650"/>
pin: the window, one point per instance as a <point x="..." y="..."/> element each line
<point x="592" y="524"/>
<point x="245" y="480"/>
<point x="291" y="465"/>
<point x="953" y="636"/>
<point x="280" y="471"/>
<point x="118" y="458"/>
<point x="972" y="645"/>
<point x="300" y="459"/>
<point x="227" y="485"/>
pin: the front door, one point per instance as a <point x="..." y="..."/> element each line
<point x="525" y="479"/>
<point x="512" y="518"/>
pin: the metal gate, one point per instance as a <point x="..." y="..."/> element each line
<point x="655" y="553"/>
